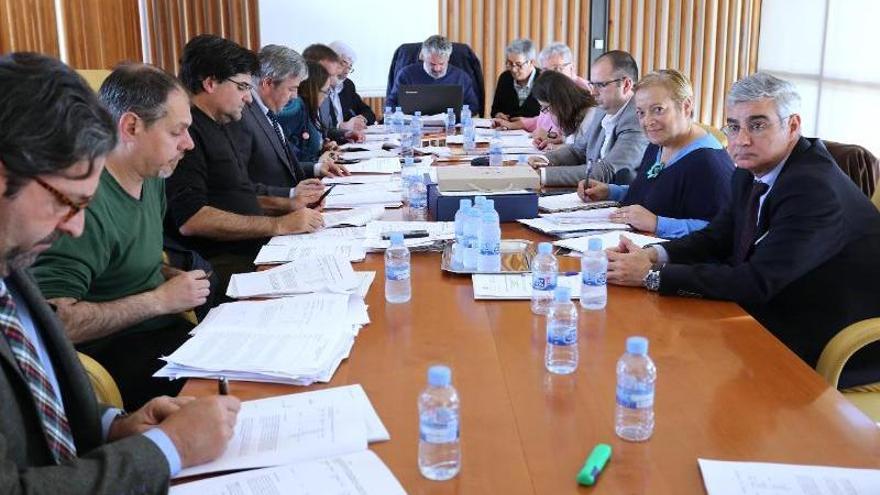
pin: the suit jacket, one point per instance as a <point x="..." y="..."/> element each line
<point x="625" y="149"/>
<point x="352" y="104"/>
<point x="812" y="268"/>
<point x="507" y="101"/>
<point x="133" y="465"/>
<point x="269" y="168"/>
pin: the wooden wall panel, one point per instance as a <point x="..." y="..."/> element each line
<point x="171" y="23"/>
<point x="713" y="42"/>
<point x="28" y="25"/>
<point x="101" y="33"/>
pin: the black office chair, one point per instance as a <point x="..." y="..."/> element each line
<point x="462" y="57"/>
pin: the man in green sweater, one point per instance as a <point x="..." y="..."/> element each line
<point x="109" y="287"/>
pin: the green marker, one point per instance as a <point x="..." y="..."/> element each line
<point x="598" y="457"/>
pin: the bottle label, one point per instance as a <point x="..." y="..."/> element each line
<point x="561" y="334"/>
<point x="545" y="281"/>
<point x="470" y="241"/>
<point x="594" y="278"/>
<point x="397" y="272"/>
<point x="490" y="248"/>
<point x="439" y="427"/>
<point x="638" y="396"/>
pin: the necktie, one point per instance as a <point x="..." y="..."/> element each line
<point x="284" y="144"/>
<point x="751" y="221"/>
<point x="49" y="409"/>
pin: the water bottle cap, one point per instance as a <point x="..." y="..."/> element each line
<point x="398" y="109"/>
<point x="449" y="110"/>
<point x="479" y="200"/>
<point x="439" y="376"/>
<point x="466" y="106"/>
<point x="637" y="346"/>
<point x="387" y="109"/>
<point x="418" y="113"/>
<point x="594" y="244"/>
<point x="490" y="204"/>
<point x="562" y="294"/>
<point x="464" y="203"/>
<point x="409" y="160"/>
<point x="545" y="248"/>
<point x="396" y="238"/>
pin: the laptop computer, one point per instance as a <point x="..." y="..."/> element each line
<point x="430" y="99"/>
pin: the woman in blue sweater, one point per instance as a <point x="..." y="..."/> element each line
<point x="684" y="178"/>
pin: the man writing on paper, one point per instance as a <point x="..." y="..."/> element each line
<point x="796" y="246"/>
<point x="54" y="437"/>
<point x="108" y="284"/>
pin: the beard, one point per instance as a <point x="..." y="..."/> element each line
<point x="18" y="258"/>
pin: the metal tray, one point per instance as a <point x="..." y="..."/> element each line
<point x="516" y="257"/>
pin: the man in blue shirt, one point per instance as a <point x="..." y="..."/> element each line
<point x="434" y="69"/>
<point x="54" y="437"/>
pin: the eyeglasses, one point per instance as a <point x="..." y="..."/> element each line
<point x="241" y="85"/>
<point x="518" y="65"/>
<point x="603" y="84"/>
<point x="347" y="67"/>
<point x="545" y="108"/>
<point x="62" y="198"/>
<point x="753" y="128"/>
<point x="560" y="67"/>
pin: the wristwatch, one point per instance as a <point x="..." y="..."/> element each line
<point x="652" y="279"/>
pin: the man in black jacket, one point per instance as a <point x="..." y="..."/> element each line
<point x="350" y="102"/>
<point x="796" y="247"/>
<point x="513" y="91"/>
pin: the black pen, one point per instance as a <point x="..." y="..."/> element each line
<point x="223" y="385"/>
<point x="318" y="202"/>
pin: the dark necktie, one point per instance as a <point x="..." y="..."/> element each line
<point x="284" y="144"/>
<point x="750" y="227"/>
<point x="49" y="408"/>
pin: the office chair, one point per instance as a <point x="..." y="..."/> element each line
<point x="105" y="387"/>
<point x="839" y="350"/>
<point x="858" y="163"/>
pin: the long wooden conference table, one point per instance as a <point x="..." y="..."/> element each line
<point x="726" y="389"/>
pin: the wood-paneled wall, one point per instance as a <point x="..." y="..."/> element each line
<point x="713" y="42"/>
<point x="28" y="25"/>
<point x="171" y="23"/>
<point x="100" y="34"/>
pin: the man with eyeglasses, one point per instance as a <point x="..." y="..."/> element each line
<point x="351" y="105"/>
<point x="613" y="138"/>
<point x="797" y="245"/>
<point x="213" y="206"/>
<point x="54" y="436"/>
<point x="513" y="91"/>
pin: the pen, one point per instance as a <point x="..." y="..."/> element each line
<point x="598" y="457"/>
<point x="223" y="385"/>
<point x="318" y="202"/>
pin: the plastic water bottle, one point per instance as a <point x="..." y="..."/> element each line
<point x="398" y="120"/>
<point x="496" y="152"/>
<point x="522" y="161"/>
<point x="561" y="355"/>
<point x="450" y="122"/>
<point x="408" y="171"/>
<point x="418" y="197"/>
<point x="397" y="282"/>
<point x="636" y="376"/>
<point x="469" y="135"/>
<point x="545" y="270"/>
<point x="471" y="232"/>
<point x="594" y="267"/>
<point x="466" y="112"/>
<point x="439" y="427"/>
<point x="464" y="205"/>
<point x="407" y="140"/>
<point x="387" y="119"/>
<point x="416" y="124"/>
<point x="489" y="259"/>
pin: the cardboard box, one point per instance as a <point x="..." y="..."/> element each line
<point x="487" y="179"/>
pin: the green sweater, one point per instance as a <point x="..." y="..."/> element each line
<point x="119" y="253"/>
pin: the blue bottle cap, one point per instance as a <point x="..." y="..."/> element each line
<point x="490" y="204"/>
<point x="396" y="238"/>
<point x="637" y="345"/>
<point x="449" y="110"/>
<point x="439" y="376"/>
<point x="398" y="109"/>
<point x="545" y="248"/>
<point x="562" y="294"/>
<point x="409" y="161"/>
<point x="479" y="200"/>
<point x="594" y="244"/>
<point x="463" y="203"/>
<point x="465" y="106"/>
<point x="418" y="113"/>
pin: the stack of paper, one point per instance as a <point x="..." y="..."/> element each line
<point x="389" y="185"/>
<point x="386" y="199"/>
<point x="363" y="155"/>
<point x="575" y="221"/>
<point x="329" y="236"/>
<point x="566" y="202"/>
<point x="362" y="179"/>
<point x="365" y="146"/>
<point x="764" y="478"/>
<point x="320" y="273"/>
<point x="272" y="255"/>
<point x="459" y="139"/>
<point x="482" y="122"/>
<point x="437" y="231"/>
<point x="609" y="240"/>
<point x="503" y="286"/>
<point x="357" y="217"/>
<point x="386" y="163"/>
<point x="297" y="427"/>
<point x="295" y="340"/>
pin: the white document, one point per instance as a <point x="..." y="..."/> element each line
<point x="364" y="155"/>
<point x="387" y="199"/>
<point x="390" y="185"/>
<point x="325" y="235"/>
<point x="503" y="286"/>
<point x="361" y="473"/>
<point x="325" y="273"/>
<point x="441" y="151"/>
<point x="485" y="193"/>
<point x="580" y="216"/>
<point x="271" y="254"/>
<point x="437" y="231"/>
<point x="609" y="240"/>
<point x="459" y="139"/>
<point x="360" y="179"/>
<point x="548" y="227"/>
<point x="760" y="478"/>
<point x="356" y="217"/>
<point x="384" y="165"/>
<point x="371" y="146"/>
<point x="482" y="122"/>
<point x="571" y="201"/>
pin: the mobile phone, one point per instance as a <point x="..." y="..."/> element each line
<point x="412" y="234"/>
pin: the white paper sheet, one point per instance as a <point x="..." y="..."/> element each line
<point x="459" y="139"/>
<point x="356" y="217"/>
<point x="517" y="286"/>
<point x="609" y="240"/>
<point x="759" y="478"/>
<point x="366" y="155"/>
<point x="361" y="179"/>
<point x="571" y="201"/>
<point x="387" y="164"/>
<point x="272" y="254"/>
<point x="325" y="273"/>
<point x="548" y="227"/>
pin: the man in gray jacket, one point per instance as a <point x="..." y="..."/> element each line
<point x="612" y="135"/>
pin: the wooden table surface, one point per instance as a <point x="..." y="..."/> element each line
<point x="726" y="389"/>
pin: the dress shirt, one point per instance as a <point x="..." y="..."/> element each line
<point x="523" y="91"/>
<point x="609" y="123"/>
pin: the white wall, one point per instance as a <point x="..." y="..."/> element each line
<point x="366" y="26"/>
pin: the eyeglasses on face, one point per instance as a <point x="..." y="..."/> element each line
<point x="755" y="127"/>
<point x="603" y="84"/>
<point x="518" y="65"/>
<point x="62" y="198"/>
<point x="560" y="67"/>
<point x="545" y="108"/>
<point x="241" y="85"/>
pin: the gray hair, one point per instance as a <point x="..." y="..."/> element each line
<point x="437" y="45"/>
<point x="140" y="89"/>
<point x="521" y="46"/>
<point x="555" y="48"/>
<point x="762" y="85"/>
<point x="279" y="62"/>
<point x="344" y="50"/>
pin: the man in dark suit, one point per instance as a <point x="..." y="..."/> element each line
<point x="54" y="437"/>
<point x="350" y="103"/>
<point x="796" y="247"/>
